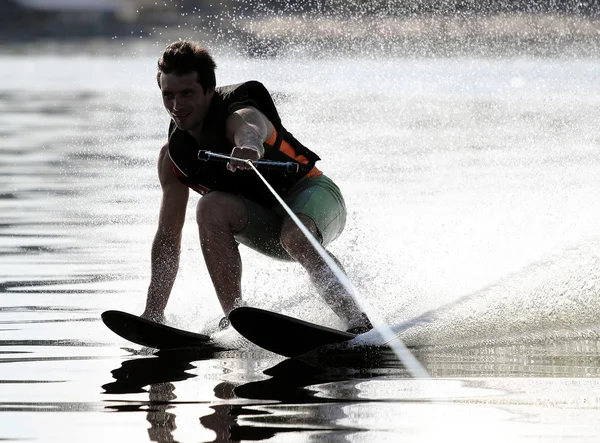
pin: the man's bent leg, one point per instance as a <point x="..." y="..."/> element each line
<point x="262" y="231"/>
<point x="328" y="285"/>
<point x="220" y="215"/>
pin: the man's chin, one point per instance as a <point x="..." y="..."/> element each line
<point x="184" y="125"/>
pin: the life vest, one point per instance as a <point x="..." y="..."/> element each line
<point x="203" y="176"/>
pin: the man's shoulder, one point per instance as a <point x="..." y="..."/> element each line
<point x="240" y="88"/>
<point x="164" y="148"/>
<point x="252" y="93"/>
<point x="163" y="154"/>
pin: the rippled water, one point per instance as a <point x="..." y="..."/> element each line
<point x="472" y="186"/>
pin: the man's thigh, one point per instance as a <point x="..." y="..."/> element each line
<point x="318" y="198"/>
<point x="262" y="231"/>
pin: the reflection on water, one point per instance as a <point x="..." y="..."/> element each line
<point x="338" y="394"/>
<point x="496" y="164"/>
<point x="574" y="358"/>
<point x="170" y="366"/>
<point x="289" y="378"/>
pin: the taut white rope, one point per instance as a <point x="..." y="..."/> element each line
<point x="409" y="361"/>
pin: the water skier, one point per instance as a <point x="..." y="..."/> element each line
<point x="236" y="207"/>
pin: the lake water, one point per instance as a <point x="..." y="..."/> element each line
<point x="474" y="232"/>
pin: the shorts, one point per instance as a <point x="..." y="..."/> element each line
<point x="318" y="198"/>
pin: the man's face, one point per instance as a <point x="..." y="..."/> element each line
<point x="185" y="100"/>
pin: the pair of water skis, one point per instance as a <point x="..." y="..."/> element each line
<point x="281" y="334"/>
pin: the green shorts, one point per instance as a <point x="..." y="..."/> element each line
<point x="318" y="198"/>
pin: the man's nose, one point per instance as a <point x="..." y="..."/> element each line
<point x="176" y="103"/>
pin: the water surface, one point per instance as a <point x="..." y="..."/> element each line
<point x="473" y="230"/>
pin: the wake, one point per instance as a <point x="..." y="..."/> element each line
<point x="555" y="299"/>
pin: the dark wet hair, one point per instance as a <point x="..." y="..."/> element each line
<point x="184" y="57"/>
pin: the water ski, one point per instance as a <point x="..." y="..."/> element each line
<point x="151" y="334"/>
<point x="281" y="334"/>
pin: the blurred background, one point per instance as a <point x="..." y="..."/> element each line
<point x="464" y="135"/>
<point x="400" y="27"/>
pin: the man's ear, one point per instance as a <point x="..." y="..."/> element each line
<point x="209" y="92"/>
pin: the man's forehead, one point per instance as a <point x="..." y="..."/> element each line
<point x="178" y="80"/>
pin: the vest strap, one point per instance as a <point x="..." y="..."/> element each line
<point x="280" y="133"/>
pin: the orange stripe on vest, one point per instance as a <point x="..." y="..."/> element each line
<point x="287" y="149"/>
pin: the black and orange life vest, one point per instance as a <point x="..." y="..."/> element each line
<point x="203" y="176"/>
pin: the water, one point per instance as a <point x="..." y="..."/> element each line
<point x="473" y="230"/>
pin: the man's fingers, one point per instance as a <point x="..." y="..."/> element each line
<point x="237" y="164"/>
<point x="243" y="154"/>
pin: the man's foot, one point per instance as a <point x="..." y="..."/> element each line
<point x="364" y="325"/>
<point x="224" y="323"/>
<point x="157" y="317"/>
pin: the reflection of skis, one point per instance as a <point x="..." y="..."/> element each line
<point x="281" y="334"/>
<point x="169" y="365"/>
<point x="145" y="351"/>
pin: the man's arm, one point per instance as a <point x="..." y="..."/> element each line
<point x="247" y="129"/>
<point x="167" y="241"/>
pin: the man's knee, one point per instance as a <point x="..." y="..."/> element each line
<point x="292" y="239"/>
<point x="222" y="209"/>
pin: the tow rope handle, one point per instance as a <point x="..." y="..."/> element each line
<point x="289" y="167"/>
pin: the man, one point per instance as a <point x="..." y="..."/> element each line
<point x="236" y="207"/>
